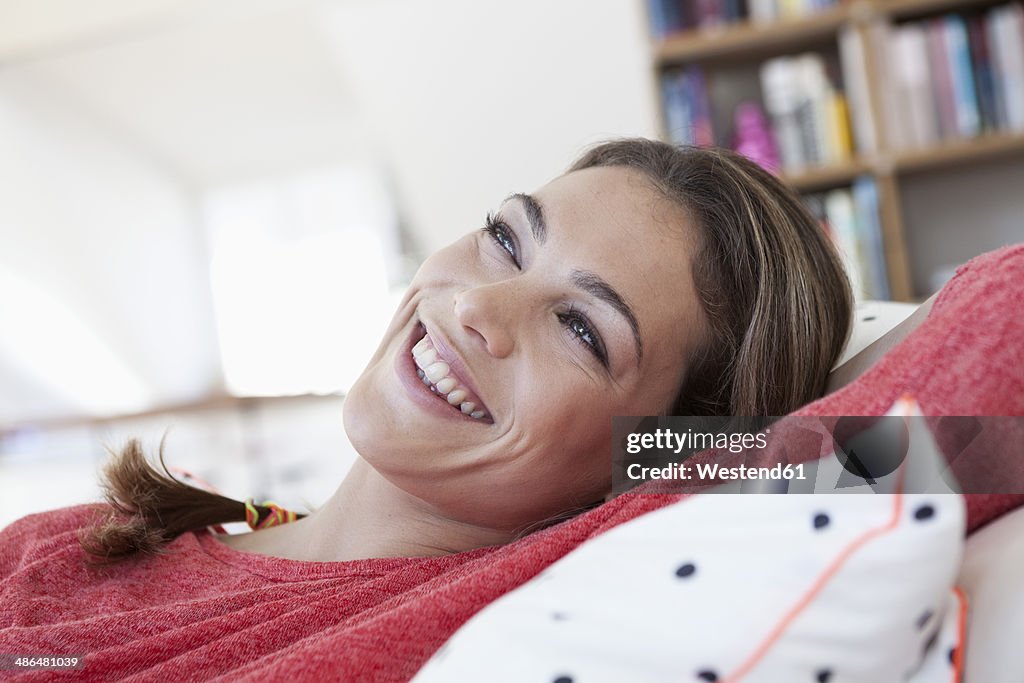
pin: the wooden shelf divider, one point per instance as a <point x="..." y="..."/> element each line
<point x="823" y="177"/>
<point x="952" y="153"/>
<point x="746" y="37"/>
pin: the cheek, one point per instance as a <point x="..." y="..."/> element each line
<point x="571" y="435"/>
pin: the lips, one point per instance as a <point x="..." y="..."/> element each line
<point x="437" y="373"/>
<point x="441" y="377"/>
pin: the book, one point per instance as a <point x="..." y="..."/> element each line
<point x="854" y="70"/>
<point x="703" y="134"/>
<point x="1008" y="32"/>
<point x="808" y="114"/>
<point x="763" y="11"/>
<point x="782" y="100"/>
<point x="838" y="141"/>
<point x="965" y="102"/>
<point x="842" y="220"/>
<point x="665" y="17"/>
<point x="981" y="62"/>
<point x="678" y="116"/>
<point x="941" y="77"/>
<point x="870" y="242"/>
<point x="916" y="118"/>
<point x="710" y="13"/>
<point x="812" y="92"/>
<point x="686" y="106"/>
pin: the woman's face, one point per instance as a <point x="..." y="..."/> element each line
<point x="573" y="305"/>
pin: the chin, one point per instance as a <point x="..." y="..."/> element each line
<point x="359" y="422"/>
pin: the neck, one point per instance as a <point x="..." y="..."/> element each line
<point x="368" y="516"/>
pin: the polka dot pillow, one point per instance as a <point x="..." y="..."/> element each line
<point x="819" y="588"/>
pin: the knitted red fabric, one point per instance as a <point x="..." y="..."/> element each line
<point x="203" y="611"/>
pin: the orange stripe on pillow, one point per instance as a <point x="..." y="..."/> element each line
<point x="816" y="588"/>
<point x="961" y="636"/>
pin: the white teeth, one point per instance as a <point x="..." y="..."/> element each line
<point x="425" y="357"/>
<point x="434" y="374"/>
<point x="436" y="371"/>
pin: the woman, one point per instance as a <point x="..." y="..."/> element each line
<point x="648" y="279"/>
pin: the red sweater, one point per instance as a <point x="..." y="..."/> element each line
<point x="202" y="610"/>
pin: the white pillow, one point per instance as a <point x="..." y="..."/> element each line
<point x="993" y="577"/>
<point x="871" y="320"/>
<point x="823" y="587"/>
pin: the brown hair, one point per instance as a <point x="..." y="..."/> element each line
<point x="150" y="507"/>
<point x="777" y="300"/>
<point x="771" y="284"/>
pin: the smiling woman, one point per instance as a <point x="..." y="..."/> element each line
<point x="647" y="280"/>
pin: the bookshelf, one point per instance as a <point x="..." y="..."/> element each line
<point x="735" y="51"/>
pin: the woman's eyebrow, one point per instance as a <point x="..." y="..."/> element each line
<point x="589" y="282"/>
<point x="534" y="215"/>
<point x="593" y="284"/>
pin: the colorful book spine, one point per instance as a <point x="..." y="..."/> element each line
<point x="665" y="17"/>
<point x="984" y="77"/>
<point x="809" y="114"/>
<point x="710" y="13"/>
<point x="869" y="227"/>
<point x="1008" y="22"/>
<point x="676" y="106"/>
<point x="703" y="132"/>
<point x="855" y="80"/>
<point x="837" y="129"/>
<point x="917" y="74"/>
<point x="842" y="219"/>
<point x="782" y="101"/>
<point x="942" y="83"/>
<point x="686" y="106"/>
<point x="968" y="122"/>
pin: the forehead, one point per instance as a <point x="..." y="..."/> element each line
<point x="612" y="221"/>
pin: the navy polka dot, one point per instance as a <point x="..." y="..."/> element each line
<point x="924" y="512"/>
<point x="559" y="616"/>
<point x="952" y="655"/>
<point x="707" y="675"/>
<point x="923" y="620"/>
<point x="821" y="520"/>
<point x="823" y="675"/>
<point x="687" y="570"/>
<point x="563" y="679"/>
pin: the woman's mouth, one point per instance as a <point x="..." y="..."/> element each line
<point x="439" y="377"/>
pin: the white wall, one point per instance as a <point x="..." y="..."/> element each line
<point x="115" y="121"/>
<point x="103" y="240"/>
<point x="474" y="99"/>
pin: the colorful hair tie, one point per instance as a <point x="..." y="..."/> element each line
<point x="266" y="515"/>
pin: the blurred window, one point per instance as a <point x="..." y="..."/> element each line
<point x="299" y="270"/>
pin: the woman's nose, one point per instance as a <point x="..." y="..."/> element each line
<point x="489" y="313"/>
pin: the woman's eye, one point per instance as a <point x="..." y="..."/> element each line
<point x="503" y="237"/>
<point x="580" y="329"/>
